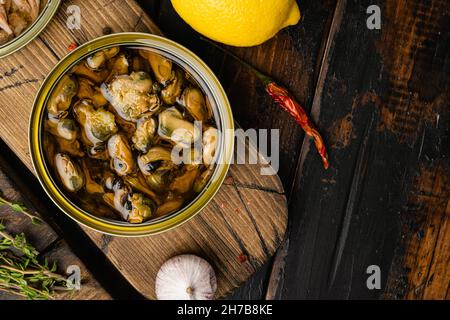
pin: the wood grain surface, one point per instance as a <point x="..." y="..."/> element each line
<point x="380" y="98"/>
<point x="237" y="232"/>
<point x="384" y="102"/>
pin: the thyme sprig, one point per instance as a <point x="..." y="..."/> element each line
<point x="21" y="271"/>
<point x="19" y="207"/>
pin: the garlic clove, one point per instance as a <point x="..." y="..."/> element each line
<point x="186" y="277"/>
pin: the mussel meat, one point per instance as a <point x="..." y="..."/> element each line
<point x="144" y="136"/>
<point x="71" y="147"/>
<point x="161" y="66"/>
<point x="119" y="150"/>
<point x="98" y="124"/>
<point x="83" y="71"/>
<point x="120" y="66"/>
<point x="138" y="182"/>
<point x="69" y="172"/>
<point x="171" y="204"/>
<point x="64" y="128"/>
<point x="88" y="91"/>
<point x="92" y="187"/>
<point x="157" y="158"/>
<point x="98" y="60"/>
<point x="61" y="97"/>
<point x="173" y="90"/>
<point x="194" y="102"/>
<point x="130" y="95"/>
<point x="134" y="208"/>
<point x="142" y="208"/>
<point x="184" y="182"/>
<point x="202" y="179"/>
<point x="174" y="127"/>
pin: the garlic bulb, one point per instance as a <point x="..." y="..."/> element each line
<point x="185" y="277"/>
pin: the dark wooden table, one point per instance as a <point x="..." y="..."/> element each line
<point x="380" y="98"/>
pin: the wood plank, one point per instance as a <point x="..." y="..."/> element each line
<point x="295" y="48"/>
<point x="383" y="97"/>
<point x="46" y="241"/>
<point x="253" y="218"/>
<point x="420" y="270"/>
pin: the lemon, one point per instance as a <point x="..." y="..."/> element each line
<point x="240" y="23"/>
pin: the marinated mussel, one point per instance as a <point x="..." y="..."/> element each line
<point x="69" y="172"/>
<point x="161" y="66"/>
<point x="65" y="128"/>
<point x="61" y="97"/>
<point x="122" y="160"/>
<point x="173" y="90"/>
<point x="173" y="126"/>
<point x="145" y="135"/>
<point x="88" y="91"/>
<point x="194" y="102"/>
<point x="98" y="60"/>
<point x="98" y="124"/>
<point x="130" y="95"/>
<point x="156" y="158"/>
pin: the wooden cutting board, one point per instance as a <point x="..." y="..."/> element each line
<point x="237" y="232"/>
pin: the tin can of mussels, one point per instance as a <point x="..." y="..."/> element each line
<point x="17" y="42"/>
<point x="206" y="81"/>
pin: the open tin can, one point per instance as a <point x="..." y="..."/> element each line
<point x="206" y="80"/>
<point x="32" y="31"/>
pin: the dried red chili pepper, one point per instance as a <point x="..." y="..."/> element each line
<point x="72" y="46"/>
<point x="285" y="100"/>
<point x="288" y="103"/>
<point x="242" y="257"/>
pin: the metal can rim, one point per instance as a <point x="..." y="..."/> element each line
<point x="126" y="229"/>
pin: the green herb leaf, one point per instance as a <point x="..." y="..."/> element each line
<point x="17" y="207"/>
